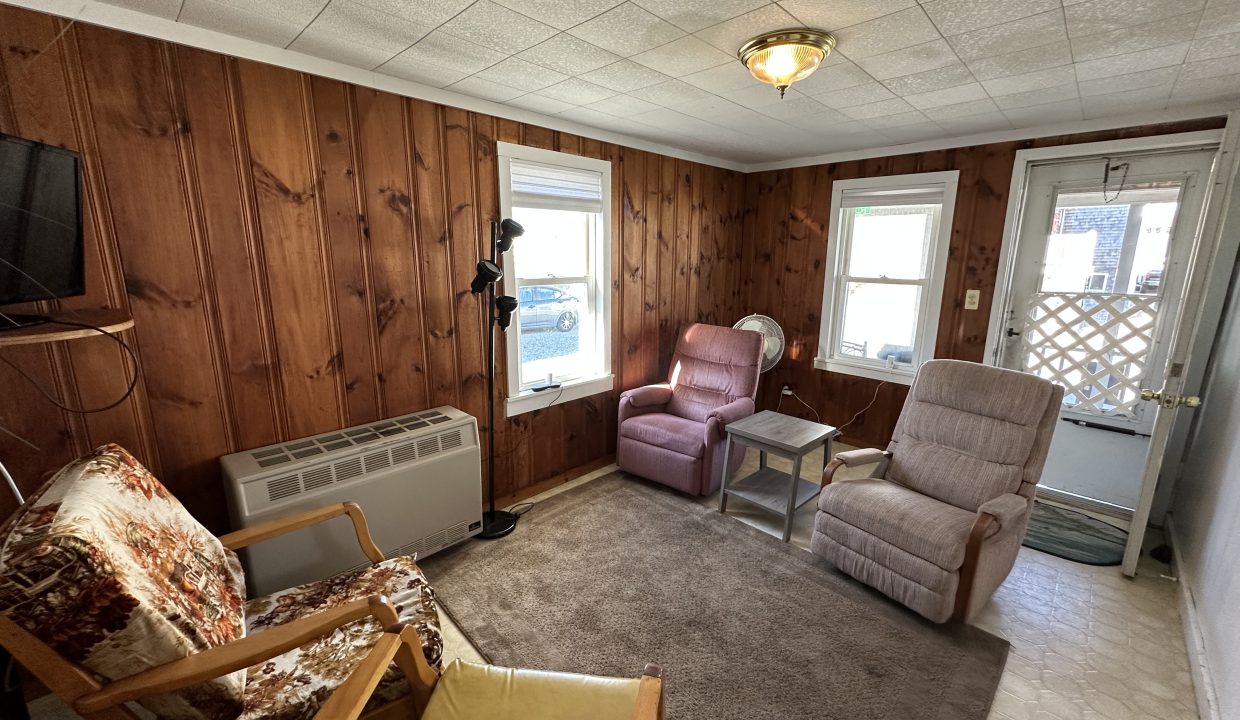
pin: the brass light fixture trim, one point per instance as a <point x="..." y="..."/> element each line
<point x="782" y="57"/>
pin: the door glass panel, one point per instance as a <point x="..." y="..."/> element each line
<point x="1090" y="325"/>
<point x="880" y="321"/>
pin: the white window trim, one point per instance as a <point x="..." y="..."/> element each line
<point x="928" y="315"/>
<point x="522" y="401"/>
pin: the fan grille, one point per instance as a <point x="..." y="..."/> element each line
<point x="773" y="348"/>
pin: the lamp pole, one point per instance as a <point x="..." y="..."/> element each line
<point x="496" y="523"/>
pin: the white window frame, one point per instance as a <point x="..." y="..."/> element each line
<point x="932" y="296"/>
<point x="599" y="379"/>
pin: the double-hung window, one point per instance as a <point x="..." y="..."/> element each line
<point x="560" y="273"/>
<point x="887" y="250"/>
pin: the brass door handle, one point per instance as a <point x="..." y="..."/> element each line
<point x="1169" y="400"/>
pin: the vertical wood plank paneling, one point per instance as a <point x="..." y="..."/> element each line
<point x="296" y="253"/>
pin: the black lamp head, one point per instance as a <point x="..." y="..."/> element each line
<point x="505" y="306"/>
<point x="488" y="272"/>
<point x="509" y="230"/>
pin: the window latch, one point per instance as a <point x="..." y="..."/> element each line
<point x="1012" y="332"/>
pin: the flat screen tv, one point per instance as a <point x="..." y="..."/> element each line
<point x="40" y="222"/>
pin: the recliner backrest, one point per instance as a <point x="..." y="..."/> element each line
<point x="713" y="366"/>
<point x="969" y="432"/>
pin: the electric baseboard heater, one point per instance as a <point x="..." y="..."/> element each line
<point x="418" y="478"/>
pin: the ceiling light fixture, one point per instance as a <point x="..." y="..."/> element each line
<point x="782" y="57"/>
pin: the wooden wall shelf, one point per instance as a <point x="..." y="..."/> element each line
<point x="110" y="320"/>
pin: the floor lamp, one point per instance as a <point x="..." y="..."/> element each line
<point x="495" y="523"/>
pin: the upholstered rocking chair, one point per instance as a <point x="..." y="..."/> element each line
<point x="111" y="592"/>
<point x="939" y="522"/>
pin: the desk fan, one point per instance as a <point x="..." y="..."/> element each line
<point x="773" y="343"/>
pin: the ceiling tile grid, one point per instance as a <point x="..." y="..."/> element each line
<point x="904" y="71"/>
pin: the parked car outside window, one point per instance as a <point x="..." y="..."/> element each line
<point x="545" y="307"/>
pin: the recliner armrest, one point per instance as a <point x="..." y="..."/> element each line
<point x="736" y="410"/>
<point x="862" y="456"/>
<point x="648" y="395"/>
<point x="1007" y="509"/>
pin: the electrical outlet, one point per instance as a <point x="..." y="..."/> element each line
<point x="972" y="298"/>
<point x="787" y="390"/>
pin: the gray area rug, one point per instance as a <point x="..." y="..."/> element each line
<point x="616" y="573"/>
<point x="1074" y="536"/>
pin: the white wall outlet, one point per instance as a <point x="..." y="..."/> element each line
<point x="972" y="298"/>
<point x="787" y="390"/>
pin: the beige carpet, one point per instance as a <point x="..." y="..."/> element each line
<point x="619" y="572"/>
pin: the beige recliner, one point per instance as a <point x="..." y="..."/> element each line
<point x="938" y="523"/>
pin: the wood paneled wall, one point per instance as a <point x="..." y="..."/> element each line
<point x="784" y="256"/>
<point x="296" y="253"/>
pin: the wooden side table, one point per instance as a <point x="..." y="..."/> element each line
<point x="768" y="488"/>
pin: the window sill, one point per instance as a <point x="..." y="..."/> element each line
<point x="896" y="375"/>
<point x="529" y="401"/>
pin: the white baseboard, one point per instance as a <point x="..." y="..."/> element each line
<point x="1194" y="640"/>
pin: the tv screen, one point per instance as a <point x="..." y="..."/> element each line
<point x="40" y="222"/>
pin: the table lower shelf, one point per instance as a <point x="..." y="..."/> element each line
<point x="768" y="488"/>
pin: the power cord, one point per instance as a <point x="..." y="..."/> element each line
<point x="818" y="419"/>
<point x="133" y="380"/>
<point x="798" y="399"/>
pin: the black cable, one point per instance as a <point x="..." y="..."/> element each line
<point x="521" y="508"/>
<point x="133" y="381"/>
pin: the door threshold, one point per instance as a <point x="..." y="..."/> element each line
<point x="1072" y="501"/>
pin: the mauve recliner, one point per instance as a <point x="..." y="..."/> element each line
<point x="672" y="432"/>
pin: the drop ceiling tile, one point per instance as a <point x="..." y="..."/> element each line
<point x="986" y="122"/>
<point x="358" y="34"/>
<point x="683" y="56"/>
<point x="670" y="92"/>
<point x="1219" y="18"/>
<point x="694" y="15"/>
<point x="829" y="79"/>
<point x="1137" y="38"/>
<point x="560" y="14"/>
<point x="1037" y="97"/>
<point x="1046" y="113"/>
<point x="1041" y="57"/>
<point x="1212" y="47"/>
<point x="1131" y="81"/>
<point x="915" y="117"/>
<point x="576" y="91"/>
<point x="1033" y="31"/>
<point x="1095" y="16"/>
<point x="730" y="35"/>
<point x="1207" y="90"/>
<point x="1214" y="67"/>
<point x="890" y="32"/>
<point x="949" y="96"/>
<point x="838" y="14"/>
<point x="913" y="133"/>
<point x="440" y="49"/>
<point x="166" y="9"/>
<point x="818" y="120"/>
<point x="485" y="89"/>
<point x="540" y="104"/>
<point x="495" y="26"/>
<point x="1132" y="62"/>
<point x="627" y="30"/>
<point x="1036" y="80"/>
<point x="623" y="106"/>
<point x="420" y="72"/>
<point x="926" y="56"/>
<point x="722" y="79"/>
<point x="953" y="17"/>
<point x="624" y="76"/>
<point x="894" y="106"/>
<point x="724" y="113"/>
<point x="245" y="22"/>
<point x="858" y="95"/>
<point x="521" y="75"/>
<point x="569" y="55"/>
<point x="676" y="121"/>
<point x="760" y="97"/>
<point x="930" y="80"/>
<point x="1143" y="100"/>
<point x="424" y="12"/>
<point x="952" y="112"/>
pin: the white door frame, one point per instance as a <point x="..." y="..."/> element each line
<point x="1200" y="304"/>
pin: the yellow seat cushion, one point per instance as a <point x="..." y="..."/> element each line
<point x="469" y="691"/>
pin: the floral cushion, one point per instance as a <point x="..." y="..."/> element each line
<point x="292" y="686"/>
<point x="107" y="568"/>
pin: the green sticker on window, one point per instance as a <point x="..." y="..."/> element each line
<point x="863" y="211"/>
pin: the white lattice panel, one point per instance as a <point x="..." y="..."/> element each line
<point x="1094" y="344"/>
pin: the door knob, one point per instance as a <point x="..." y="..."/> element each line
<point x="1169" y="400"/>
<point x="1012" y="332"/>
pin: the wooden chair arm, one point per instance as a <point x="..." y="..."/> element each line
<point x="349" y="700"/>
<point x="230" y="657"/>
<point x="650" y="695"/>
<point x="853" y="458"/>
<point x="972" y="553"/>
<point x="289" y="523"/>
